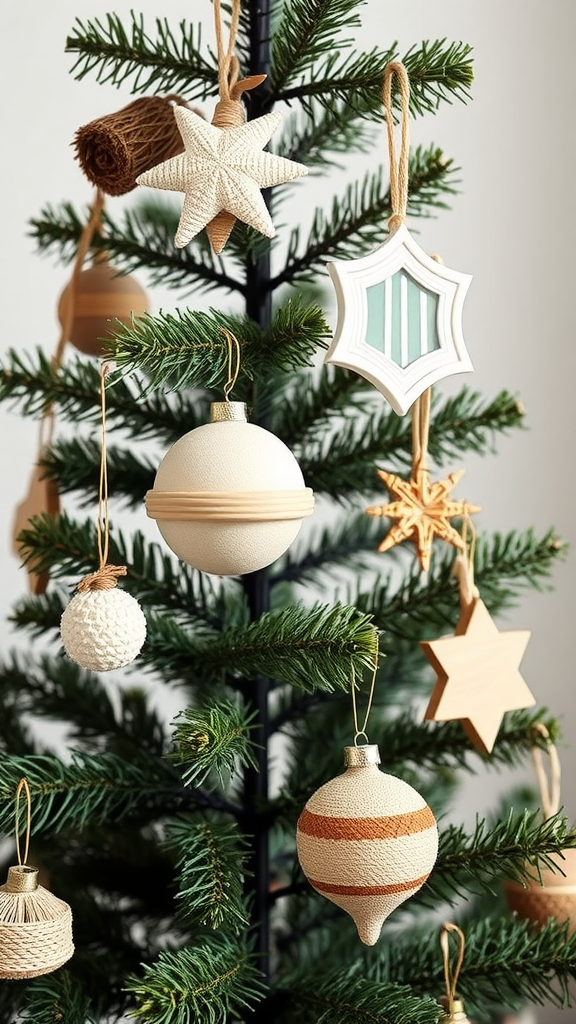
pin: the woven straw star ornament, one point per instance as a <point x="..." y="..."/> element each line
<point x="222" y="169"/>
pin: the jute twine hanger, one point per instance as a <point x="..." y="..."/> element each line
<point x="399" y="183"/>
<point x="106" y="576"/>
<point x="229" y="111"/>
<point x="450" y="1001"/>
<point x="358" y="732"/>
<point x="23" y="787"/>
<point x="548" y="784"/>
<point x="463" y="568"/>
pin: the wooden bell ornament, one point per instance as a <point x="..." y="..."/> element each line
<point x="35" y="926"/>
<point x="553" y="893"/>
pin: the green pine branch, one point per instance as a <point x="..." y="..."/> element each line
<point x="58" y="997"/>
<point x="87" y="789"/>
<point x="323" y="139"/>
<point x="305" y="32"/>
<point x="53" y="687"/>
<point x="356" y="223"/>
<point x="32" y="384"/>
<point x="74" y="463"/>
<point x="308" y="648"/>
<point x="215" y="979"/>
<point x="190" y="350"/>
<point x="64" y="547"/>
<point x="427" y="603"/>
<point x="516" y="848"/>
<point x="210" y="864"/>
<point x="118" y="56"/>
<point x="506" y="964"/>
<point x="347" y="997"/>
<point x="213" y="738"/>
<point x="438" y="71"/>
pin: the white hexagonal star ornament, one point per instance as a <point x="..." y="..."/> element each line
<point x="399" y="319"/>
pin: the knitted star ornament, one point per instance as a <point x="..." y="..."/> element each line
<point x="222" y="169"/>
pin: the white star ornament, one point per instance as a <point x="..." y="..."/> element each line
<point x="399" y="319"/>
<point x="222" y="169"/>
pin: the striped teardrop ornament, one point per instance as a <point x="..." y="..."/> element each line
<point x="366" y="841"/>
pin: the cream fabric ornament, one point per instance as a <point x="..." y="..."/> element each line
<point x="102" y="630"/>
<point x="366" y="841"/>
<point x="229" y="496"/>
<point x="222" y="169"/>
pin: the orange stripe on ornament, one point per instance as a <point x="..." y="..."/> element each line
<point x="324" y="827"/>
<point x="367" y="890"/>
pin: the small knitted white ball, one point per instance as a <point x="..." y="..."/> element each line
<point x="103" y="630"/>
<point x="233" y="456"/>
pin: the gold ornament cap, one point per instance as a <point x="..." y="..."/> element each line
<point x="455" y="1010"/>
<point x="21" y="878"/>
<point x="221" y="412"/>
<point x="361" y="756"/>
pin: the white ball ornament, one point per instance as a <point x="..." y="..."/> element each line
<point x="366" y="841"/>
<point x="229" y="496"/>
<point x="102" y="629"/>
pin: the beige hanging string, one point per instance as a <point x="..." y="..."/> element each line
<point x="549" y="787"/>
<point x="451" y="975"/>
<point x="106" y="576"/>
<point x="357" y="731"/>
<point x="420" y="430"/>
<point x="464" y="565"/>
<point x="23" y="787"/>
<point x="229" y="111"/>
<point x="398" y="168"/>
<point x="234" y="358"/>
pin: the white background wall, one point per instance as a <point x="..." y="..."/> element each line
<point x="512" y="227"/>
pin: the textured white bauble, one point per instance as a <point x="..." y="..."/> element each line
<point x="103" y="630"/>
<point x="224" y="458"/>
<point x="366" y="841"/>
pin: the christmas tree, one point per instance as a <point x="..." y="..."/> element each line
<point x="168" y="822"/>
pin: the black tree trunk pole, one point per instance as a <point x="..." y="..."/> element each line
<point x="256" y="584"/>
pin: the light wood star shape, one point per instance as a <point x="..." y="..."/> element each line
<point x="423" y="512"/>
<point x="478" y="675"/>
<point x="222" y="169"/>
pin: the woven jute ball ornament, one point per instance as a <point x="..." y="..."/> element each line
<point x="35" y="926"/>
<point x="102" y="628"/>
<point x="554" y="897"/>
<point x="229" y="497"/>
<point x="99" y="295"/>
<point x="366" y="841"/>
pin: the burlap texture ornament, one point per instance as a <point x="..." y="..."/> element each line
<point x="35" y="926"/>
<point x="113" y="150"/>
<point x="366" y="841"/>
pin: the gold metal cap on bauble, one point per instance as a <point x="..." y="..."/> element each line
<point x="223" y="412"/>
<point x="455" y="1011"/>
<point x="361" y="756"/>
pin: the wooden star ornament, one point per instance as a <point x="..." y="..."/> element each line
<point x="422" y="512"/>
<point x="478" y="677"/>
<point x="222" y="170"/>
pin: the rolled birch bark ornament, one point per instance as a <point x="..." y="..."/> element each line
<point x="229" y="497"/>
<point x="366" y="841"/>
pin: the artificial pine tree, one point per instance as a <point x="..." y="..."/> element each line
<point x="167" y="832"/>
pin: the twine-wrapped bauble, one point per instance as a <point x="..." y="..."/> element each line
<point x="99" y="296"/>
<point x="555" y="897"/>
<point x="113" y="150"/>
<point x="103" y="628"/>
<point x="366" y="841"/>
<point x="229" y="496"/>
<point x="35" y="926"/>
